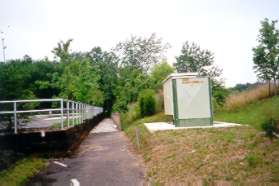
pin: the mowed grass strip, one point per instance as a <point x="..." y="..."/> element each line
<point x="241" y="155"/>
<point x="22" y="170"/>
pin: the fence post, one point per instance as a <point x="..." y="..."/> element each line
<point x="82" y="115"/>
<point x="15" y="119"/>
<point x="137" y="137"/>
<point x="68" y="115"/>
<point x="79" y="112"/>
<point x="85" y="111"/>
<point x="72" y="113"/>
<point x="76" y="121"/>
<point x="62" y="110"/>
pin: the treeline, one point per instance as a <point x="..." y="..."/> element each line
<point x="111" y="79"/>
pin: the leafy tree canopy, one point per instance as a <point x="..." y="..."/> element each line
<point x="140" y="53"/>
<point x="195" y="59"/>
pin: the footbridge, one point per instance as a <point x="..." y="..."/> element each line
<point x="45" y="123"/>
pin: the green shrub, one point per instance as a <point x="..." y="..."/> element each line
<point x="253" y="160"/>
<point x="269" y="126"/>
<point x="159" y="101"/>
<point x="130" y="116"/>
<point x="147" y="102"/>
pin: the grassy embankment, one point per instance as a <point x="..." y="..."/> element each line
<point x="251" y="107"/>
<point x="23" y="169"/>
<point x="253" y="114"/>
<point x="241" y="155"/>
<point x="206" y="156"/>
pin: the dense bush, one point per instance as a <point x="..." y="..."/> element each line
<point x="269" y="126"/>
<point x="147" y="102"/>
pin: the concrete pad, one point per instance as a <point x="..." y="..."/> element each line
<point x="162" y="126"/>
<point x="107" y="125"/>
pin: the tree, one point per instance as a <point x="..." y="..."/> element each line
<point x="63" y="50"/>
<point x="130" y="82"/>
<point x="140" y="53"/>
<point x="195" y="59"/>
<point x="136" y="56"/>
<point x="79" y="81"/>
<point x="107" y="65"/>
<point x="158" y="73"/>
<point x="266" y="54"/>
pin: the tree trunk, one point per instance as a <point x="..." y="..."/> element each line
<point x="269" y="89"/>
<point x="275" y="87"/>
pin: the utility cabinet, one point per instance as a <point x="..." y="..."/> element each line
<point x="187" y="97"/>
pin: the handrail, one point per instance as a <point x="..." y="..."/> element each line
<point x="77" y="110"/>
<point x="30" y="100"/>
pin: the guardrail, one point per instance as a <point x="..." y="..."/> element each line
<point x="67" y="110"/>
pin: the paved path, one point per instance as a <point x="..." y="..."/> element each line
<point x="102" y="159"/>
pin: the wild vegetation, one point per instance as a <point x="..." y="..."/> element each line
<point x="19" y="173"/>
<point x="128" y="79"/>
<point x="230" y="156"/>
<point x="237" y="100"/>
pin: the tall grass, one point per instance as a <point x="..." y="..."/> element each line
<point x="133" y="112"/>
<point x="239" y="100"/>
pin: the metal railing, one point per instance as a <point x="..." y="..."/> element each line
<point x="70" y="112"/>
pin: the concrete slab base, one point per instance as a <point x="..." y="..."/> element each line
<point x="162" y="126"/>
<point x="107" y="125"/>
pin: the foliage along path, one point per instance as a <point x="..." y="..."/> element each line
<point x="103" y="158"/>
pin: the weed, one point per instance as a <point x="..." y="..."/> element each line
<point x="21" y="171"/>
<point x="253" y="160"/>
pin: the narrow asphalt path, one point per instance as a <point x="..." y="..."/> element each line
<point x="102" y="159"/>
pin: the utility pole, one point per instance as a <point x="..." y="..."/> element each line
<point x="4" y="48"/>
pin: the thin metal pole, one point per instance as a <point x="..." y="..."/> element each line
<point x="83" y="112"/>
<point x="62" y="119"/>
<point x="15" y="119"/>
<point x="68" y="114"/>
<point x="72" y="113"/>
<point x="3" y="47"/>
<point x="79" y="112"/>
<point x="76" y="113"/>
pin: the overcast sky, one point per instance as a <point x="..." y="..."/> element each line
<point x="228" y="28"/>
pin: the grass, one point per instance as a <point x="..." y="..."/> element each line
<point x="241" y="155"/>
<point x="253" y="114"/>
<point x="21" y="171"/>
<point x="241" y="99"/>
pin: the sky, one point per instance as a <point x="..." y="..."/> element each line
<point x="228" y="28"/>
